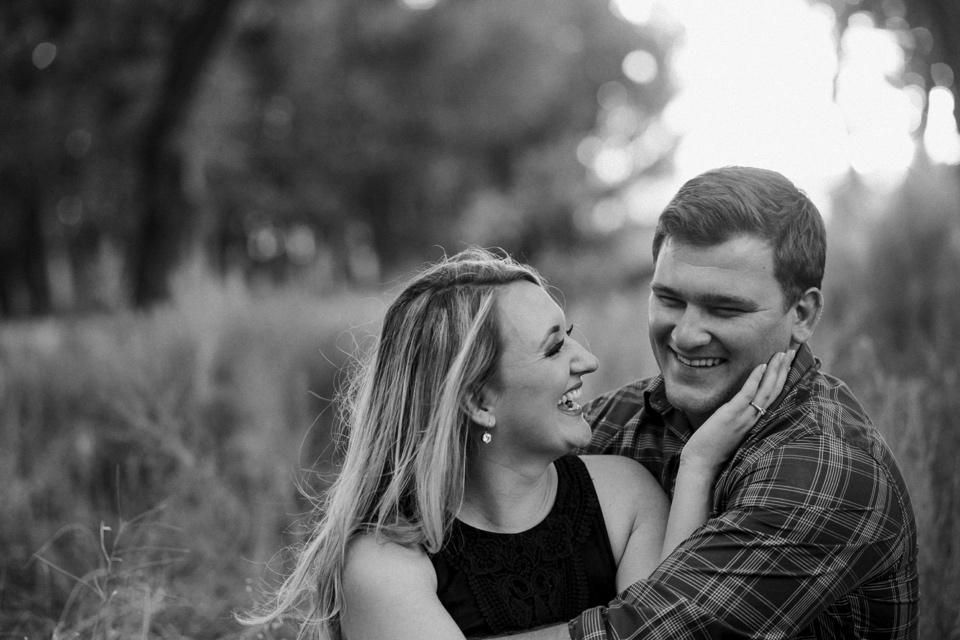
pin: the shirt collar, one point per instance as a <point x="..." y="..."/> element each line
<point x="655" y="403"/>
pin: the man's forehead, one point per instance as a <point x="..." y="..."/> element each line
<point x="742" y="253"/>
<point x="737" y="270"/>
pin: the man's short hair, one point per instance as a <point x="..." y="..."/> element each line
<point x="723" y="203"/>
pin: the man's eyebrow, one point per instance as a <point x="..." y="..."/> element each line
<point x="707" y="299"/>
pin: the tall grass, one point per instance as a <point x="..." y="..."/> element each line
<point x="895" y="338"/>
<point x="149" y="464"/>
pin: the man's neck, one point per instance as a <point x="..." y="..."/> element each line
<point x="694" y="419"/>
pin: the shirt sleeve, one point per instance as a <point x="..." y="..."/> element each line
<point x="799" y="526"/>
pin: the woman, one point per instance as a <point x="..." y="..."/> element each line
<point x="457" y="511"/>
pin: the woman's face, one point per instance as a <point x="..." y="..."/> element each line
<point x="534" y="396"/>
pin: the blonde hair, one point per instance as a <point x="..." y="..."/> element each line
<point x="407" y="426"/>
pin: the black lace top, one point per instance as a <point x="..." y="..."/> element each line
<point x="495" y="583"/>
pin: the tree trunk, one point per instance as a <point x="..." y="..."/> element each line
<point x="35" y="259"/>
<point x="24" y="284"/>
<point x="167" y="216"/>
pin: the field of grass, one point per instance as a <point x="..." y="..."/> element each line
<point x="149" y="464"/>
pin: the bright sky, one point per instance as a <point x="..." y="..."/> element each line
<point x="757" y="87"/>
<point x="766" y="83"/>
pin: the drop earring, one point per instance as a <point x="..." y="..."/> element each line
<point x="486" y="421"/>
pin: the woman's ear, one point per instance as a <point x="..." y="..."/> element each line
<point x="484" y="418"/>
<point x="807" y="312"/>
<point x="480" y="409"/>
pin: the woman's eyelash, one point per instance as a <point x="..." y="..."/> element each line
<point x="556" y="348"/>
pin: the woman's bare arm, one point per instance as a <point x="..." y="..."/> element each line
<point x="634" y="511"/>
<point x="390" y="593"/>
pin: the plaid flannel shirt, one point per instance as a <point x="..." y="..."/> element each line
<point x="811" y="532"/>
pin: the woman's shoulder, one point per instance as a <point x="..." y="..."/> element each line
<point x="630" y="499"/>
<point x="390" y="591"/>
<point x="370" y="559"/>
<point x="624" y="482"/>
<point x="620" y="471"/>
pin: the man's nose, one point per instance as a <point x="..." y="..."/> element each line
<point x="691" y="330"/>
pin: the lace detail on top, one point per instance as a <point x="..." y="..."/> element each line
<point x="547" y="574"/>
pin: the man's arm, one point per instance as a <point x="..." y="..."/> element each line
<point x="553" y="632"/>
<point x="804" y="523"/>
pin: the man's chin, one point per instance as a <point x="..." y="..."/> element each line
<point x="696" y="406"/>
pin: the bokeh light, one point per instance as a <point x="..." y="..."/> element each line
<point x="44" y="54"/>
<point x="640" y="66"/>
<point x="613" y="164"/>
<point x="420" y="5"/>
<point x="278" y="118"/>
<point x="768" y="84"/>
<point x="941" y="139"/>
<point x="70" y="210"/>
<point x="608" y="215"/>
<point x="942" y="74"/>
<point x="78" y="142"/>
<point x="756" y="88"/>
<point x="635" y="11"/>
<point x="880" y="117"/>
<point x="301" y="244"/>
<point x="263" y="244"/>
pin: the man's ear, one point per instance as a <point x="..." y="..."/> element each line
<point x="807" y="312"/>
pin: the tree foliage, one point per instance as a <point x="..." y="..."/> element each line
<point x="97" y="92"/>
<point x="397" y="130"/>
<point x="371" y="129"/>
<point x="928" y="30"/>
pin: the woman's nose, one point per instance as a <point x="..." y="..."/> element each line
<point x="584" y="362"/>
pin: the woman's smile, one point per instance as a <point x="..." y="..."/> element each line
<point x="568" y="403"/>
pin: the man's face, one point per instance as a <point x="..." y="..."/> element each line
<point x="715" y="314"/>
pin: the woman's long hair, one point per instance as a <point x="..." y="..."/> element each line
<point x="407" y="421"/>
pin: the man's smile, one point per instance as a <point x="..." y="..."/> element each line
<point x="698" y="363"/>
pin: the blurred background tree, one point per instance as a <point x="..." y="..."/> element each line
<point x="918" y="243"/>
<point x="91" y="166"/>
<point x="928" y="30"/>
<point x="357" y="135"/>
<point x="337" y="141"/>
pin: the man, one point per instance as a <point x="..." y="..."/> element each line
<point x="811" y="533"/>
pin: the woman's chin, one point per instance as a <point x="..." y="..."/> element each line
<point x="579" y="434"/>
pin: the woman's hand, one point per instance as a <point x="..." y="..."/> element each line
<point x="718" y="438"/>
<point x="714" y="443"/>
